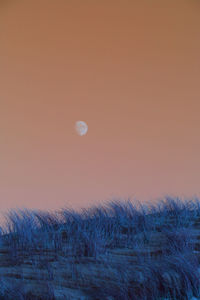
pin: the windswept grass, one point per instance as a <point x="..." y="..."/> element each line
<point x="162" y="260"/>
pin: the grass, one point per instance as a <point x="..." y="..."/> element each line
<point x="95" y="232"/>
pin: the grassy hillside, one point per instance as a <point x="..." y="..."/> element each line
<point x="116" y="251"/>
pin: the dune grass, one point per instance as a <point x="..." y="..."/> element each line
<point x="95" y="232"/>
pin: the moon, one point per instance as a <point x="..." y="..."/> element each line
<point x="81" y="127"/>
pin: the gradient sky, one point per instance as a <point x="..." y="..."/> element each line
<point x="130" y="70"/>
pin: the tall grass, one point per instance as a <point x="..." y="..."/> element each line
<point x="93" y="232"/>
<point x="113" y="225"/>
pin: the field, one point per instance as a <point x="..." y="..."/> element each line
<point x="119" y="250"/>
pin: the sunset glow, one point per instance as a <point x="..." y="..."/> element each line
<point x="130" y="70"/>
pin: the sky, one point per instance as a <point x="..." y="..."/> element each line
<point x="130" y="70"/>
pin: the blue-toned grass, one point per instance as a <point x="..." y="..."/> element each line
<point x="93" y="232"/>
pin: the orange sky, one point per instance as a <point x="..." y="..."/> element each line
<point x="130" y="69"/>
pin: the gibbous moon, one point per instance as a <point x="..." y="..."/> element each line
<point x="81" y="127"/>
